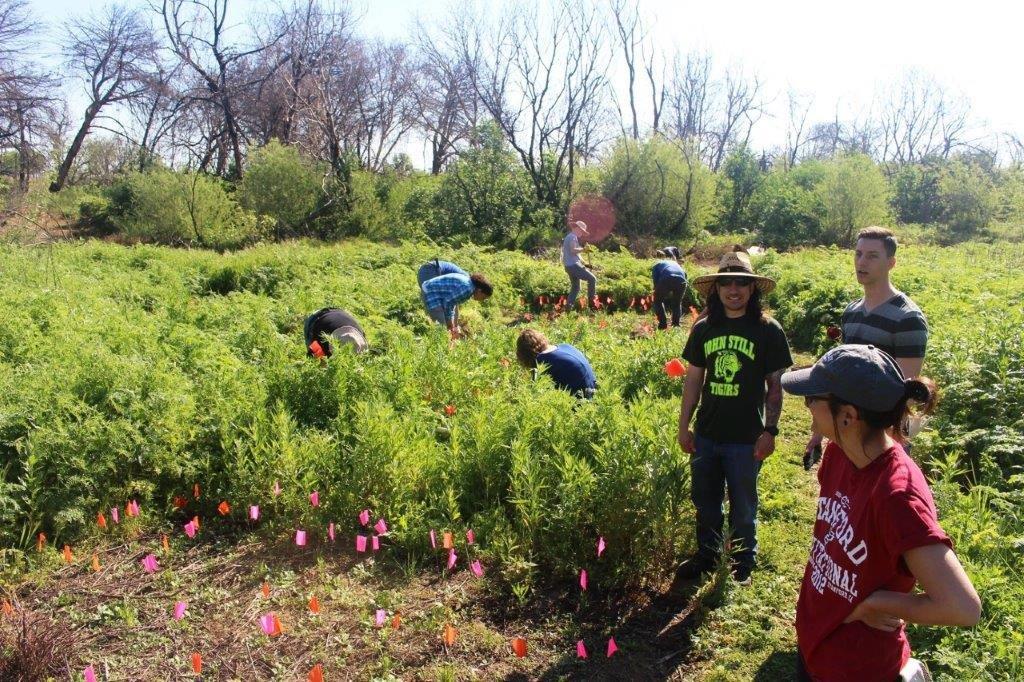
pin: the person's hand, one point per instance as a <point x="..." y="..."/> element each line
<point x="866" y="612"/>
<point x="686" y="441"/>
<point x="764" y="446"/>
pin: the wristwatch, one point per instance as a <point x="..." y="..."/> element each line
<point x="773" y="430"/>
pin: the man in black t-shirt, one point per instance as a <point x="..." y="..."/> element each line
<point x="328" y="326"/>
<point x="736" y="357"/>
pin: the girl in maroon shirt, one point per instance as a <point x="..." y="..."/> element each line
<point x="876" y="535"/>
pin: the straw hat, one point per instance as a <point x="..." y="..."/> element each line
<point x="581" y="226"/>
<point x="736" y="263"/>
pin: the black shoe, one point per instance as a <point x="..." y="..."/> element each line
<point x="695" y="568"/>
<point x="741" y="574"/>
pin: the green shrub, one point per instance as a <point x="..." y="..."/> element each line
<point x="181" y="208"/>
<point x="660" y="187"/>
<point x="281" y="184"/>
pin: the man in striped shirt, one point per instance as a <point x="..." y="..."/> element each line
<point x="443" y="294"/>
<point x="885" y="317"/>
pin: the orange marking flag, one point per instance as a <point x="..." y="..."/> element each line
<point x="519" y="647"/>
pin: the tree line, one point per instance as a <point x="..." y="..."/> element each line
<point x="563" y="98"/>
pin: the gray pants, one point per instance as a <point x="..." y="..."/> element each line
<point x="577" y="273"/>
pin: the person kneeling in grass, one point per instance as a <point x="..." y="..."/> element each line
<point x="566" y="365"/>
<point x="332" y="324"/>
<point x="876" y="533"/>
<point x="442" y="296"/>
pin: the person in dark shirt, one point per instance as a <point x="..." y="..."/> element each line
<point x="736" y="357"/>
<point x="669" y="287"/>
<point x="328" y="326"/>
<point x="565" y="364"/>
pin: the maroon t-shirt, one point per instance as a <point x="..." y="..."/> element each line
<point x="867" y="518"/>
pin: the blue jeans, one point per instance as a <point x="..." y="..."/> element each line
<point x="577" y="273"/>
<point x="715" y="467"/>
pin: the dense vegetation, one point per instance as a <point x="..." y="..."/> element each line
<point x="135" y="373"/>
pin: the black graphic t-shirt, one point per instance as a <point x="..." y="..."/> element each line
<point x="736" y="355"/>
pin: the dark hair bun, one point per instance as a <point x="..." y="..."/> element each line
<point x="917" y="391"/>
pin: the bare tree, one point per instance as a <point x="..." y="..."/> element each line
<point x="797" y="136"/>
<point x="111" y="51"/>
<point x="542" y="81"/>
<point x="919" y="118"/>
<point x="447" y="109"/>
<point x="715" y="114"/>
<point x="197" y="31"/>
<point x="27" y="97"/>
<point x="385" y="109"/>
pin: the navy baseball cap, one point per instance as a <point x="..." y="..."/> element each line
<point x="860" y="375"/>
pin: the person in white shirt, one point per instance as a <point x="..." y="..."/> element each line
<point x="573" y="264"/>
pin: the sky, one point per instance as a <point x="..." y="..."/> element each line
<point x="837" y="54"/>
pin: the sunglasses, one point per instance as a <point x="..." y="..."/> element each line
<point x="733" y="281"/>
<point x="808" y="399"/>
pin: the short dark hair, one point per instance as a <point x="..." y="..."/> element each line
<point x="883" y="235"/>
<point x="481" y="283"/>
<point x="529" y="345"/>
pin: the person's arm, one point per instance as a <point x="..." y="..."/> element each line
<point x="947" y="596"/>
<point x="765" y="444"/>
<point x="692" y="385"/>
<point x="911" y="366"/>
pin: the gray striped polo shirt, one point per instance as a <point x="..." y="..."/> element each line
<point x="897" y="326"/>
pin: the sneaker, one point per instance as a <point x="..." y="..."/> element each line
<point x="694" y="568"/>
<point x="741" y="574"/>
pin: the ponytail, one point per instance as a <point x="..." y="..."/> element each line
<point x="921" y="391"/>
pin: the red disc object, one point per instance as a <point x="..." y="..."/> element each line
<point x="597" y="212"/>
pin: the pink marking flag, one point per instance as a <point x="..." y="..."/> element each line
<point x="360" y="543"/>
<point x="581" y="651"/>
<point x="381" y="527"/>
<point x="612" y="648"/>
<point x="583" y="579"/>
<point x="89" y="674"/>
<point x="132" y="508"/>
<point x="300" y="538"/>
<point x="433" y="539"/>
<point x="600" y="546"/>
<point x="254" y="512"/>
<point x="190" y="529"/>
<point x="477" y="569"/>
<point x="314" y="498"/>
<point x="364" y="517"/>
<point x="179" y="610"/>
<point x="379" y="617"/>
<point x="452" y="557"/>
<point x="277" y="489"/>
<point x="330" y="531"/>
<point x="149" y="563"/>
<point x="470" y="537"/>
<point x="267" y="623"/>
<point x="376" y="543"/>
<point x="115" y="514"/>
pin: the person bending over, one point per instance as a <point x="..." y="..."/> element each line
<point x="328" y="326"/>
<point x="443" y="295"/>
<point x="566" y="365"/>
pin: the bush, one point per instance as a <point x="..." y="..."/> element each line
<point x="661" y="187"/>
<point x="786" y="213"/>
<point x="281" y="184"/>
<point x="486" y="197"/>
<point x="181" y="208"/>
<point x="967" y="200"/>
<point x="852" y="195"/>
